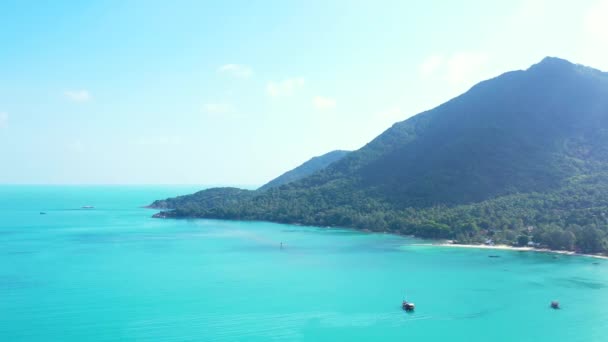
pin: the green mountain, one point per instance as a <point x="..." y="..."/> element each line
<point x="221" y="197"/>
<point x="313" y="165"/>
<point x="208" y="198"/>
<point x="521" y="157"/>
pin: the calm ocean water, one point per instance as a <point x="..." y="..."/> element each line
<point x="113" y="273"/>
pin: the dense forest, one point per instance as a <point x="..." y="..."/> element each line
<point x="519" y="159"/>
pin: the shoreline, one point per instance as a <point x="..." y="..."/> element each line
<point x="517" y="249"/>
<point x="162" y="215"/>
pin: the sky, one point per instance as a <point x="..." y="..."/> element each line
<point x="237" y="92"/>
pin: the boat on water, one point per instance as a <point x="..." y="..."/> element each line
<point x="408" y="306"/>
<point x="555" y="305"/>
<point x="42" y="213"/>
<point x="88" y="207"/>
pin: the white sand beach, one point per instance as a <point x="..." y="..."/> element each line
<point x="521" y="249"/>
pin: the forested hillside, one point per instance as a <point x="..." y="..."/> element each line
<point x="521" y="157"/>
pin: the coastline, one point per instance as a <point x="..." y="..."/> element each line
<point x="162" y="214"/>
<point x="517" y="249"/>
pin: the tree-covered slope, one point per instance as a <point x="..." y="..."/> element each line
<point x="522" y="131"/>
<point x="306" y="169"/>
<point x="493" y="162"/>
<point x="226" y="196"/>
<point x="208" y="198"/>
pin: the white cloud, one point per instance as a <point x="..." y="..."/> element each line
<point x="464" y="67"/>
<point x="3" y="119"/>
<point x="320" y="102"/>
<point x="236" y="70"/>
<point x="430" y="65"/>
<point x="285" y="87"/>
<point x="78" y="95"/>
<point x="596" y="22"/>
<point x="218" y="108"/>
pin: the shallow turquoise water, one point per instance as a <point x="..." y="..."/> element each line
<point x="113" y="273"/>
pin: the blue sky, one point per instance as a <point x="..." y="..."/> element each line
<point x="236" y="92"/>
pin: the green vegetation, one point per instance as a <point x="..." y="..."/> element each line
<point x="522" y="158"/>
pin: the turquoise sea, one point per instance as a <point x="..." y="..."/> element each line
<point x="114" y="274"/>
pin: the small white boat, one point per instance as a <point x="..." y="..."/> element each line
<point x="88" y="207"/>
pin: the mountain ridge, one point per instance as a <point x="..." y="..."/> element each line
<point x="543" y="130"/>
<point x="221" y="196"/>
<point x="305" y="169"/>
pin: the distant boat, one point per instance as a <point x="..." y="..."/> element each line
<point x="88" y="207"/>
<point x="555" y="305"/>
<point x="42" y="213"/>
<point x="408" y="306"/>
